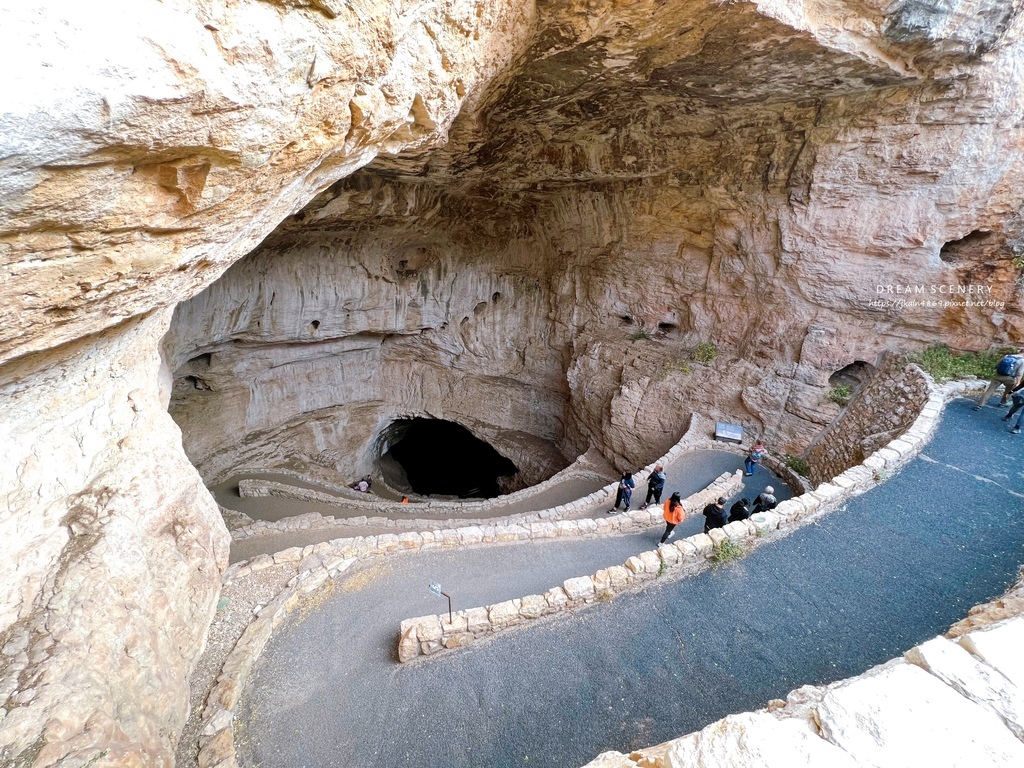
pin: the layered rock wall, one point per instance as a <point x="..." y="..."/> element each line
<point x="878" y="413"/>
<point x="307" y="357"/>
<point x="740" y="173"/>
<point x="147" y="147"/>
<point x="114" y="551"/>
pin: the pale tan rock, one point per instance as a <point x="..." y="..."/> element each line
<point x="718" y="537"/>
<point x="651" y="563"/>
<point x="533" y="606"/>
<point x="977" y="681"/>
<point x="428" y="628"/>
<point x="580" y="588"/>
<point x="756" y="739"/>
<point x="556" y="598"/>
<point x="999" y="646"/>
<point x="620" y="576"/>
<point x="611" y="760"/>
<point x="899" y="715"/>
<point x="702" y="544"/>
<point x="503" y="614"/>
<point x="477" y="620"/>
<point x="858" y="149"/>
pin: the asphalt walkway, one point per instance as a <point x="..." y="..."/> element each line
<point x="692" y="471"/>
<point x="893" y="568"/>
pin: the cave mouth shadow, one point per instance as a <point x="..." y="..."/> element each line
<point x="434" y="457"/>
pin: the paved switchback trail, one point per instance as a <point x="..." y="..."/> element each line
<point x="891" y="569"/>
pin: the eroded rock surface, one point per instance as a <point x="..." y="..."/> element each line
<point x="548" y="186"/>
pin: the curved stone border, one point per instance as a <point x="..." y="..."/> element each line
<point x="578" y="468"/>
<point x="428" y="635"/>
<point x="603" y="496"/>
<point x="952" y="700"/>
<point x="317" y="563"/>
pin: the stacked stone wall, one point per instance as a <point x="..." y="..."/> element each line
<point x="406" y="515"/>
<point x="881" y="411"/>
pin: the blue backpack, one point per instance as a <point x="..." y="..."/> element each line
<point x="1008" y="365"/>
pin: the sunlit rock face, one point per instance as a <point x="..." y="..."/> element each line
<point x="144" y="147"/>
<point x="302" y="358"/>
<point x="549" y="187"/>
<point x="665" y="174"/>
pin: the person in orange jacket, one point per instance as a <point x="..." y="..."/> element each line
<point x="674" y="514"/>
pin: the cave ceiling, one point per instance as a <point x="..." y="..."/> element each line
<point x="665" y="93"/>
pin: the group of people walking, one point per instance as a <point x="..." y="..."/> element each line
<point x="1008" y="375"/>
<point x="715" y="514"/>
<point x="655" y="486"/>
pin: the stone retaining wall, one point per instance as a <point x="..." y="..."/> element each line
<point x="879" y="412"/>
<point x="315" y="564"/>
<point x="602" y="497"/>
<point x="428" y="635"/>
<point x="956" y="700"/>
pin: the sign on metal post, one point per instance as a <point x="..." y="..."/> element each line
<point x="435" y="589"/>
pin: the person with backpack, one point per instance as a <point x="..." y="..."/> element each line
<point x="624" y="493"/>
<point x="755" y="455"/>
<point x="655" y="485"/>
<point x="766" y="501"/>
<point x="674" y="514"/>
<point x="739" y="511"/>
<point x="1009" y="371"/>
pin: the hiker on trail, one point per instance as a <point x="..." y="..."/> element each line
<point x="363" y="486"/>
<point x="755" y="455"/>
<point x="715" y="515"/>
<point x="1009" y="371"/>
<point x="674" y="514"/>
<point x="766" y="501"/>
<point x="1018" y="405"/>
<point x="655" y="485"/>
<point x="624" y="493"/>
<point x="739" y="511"/>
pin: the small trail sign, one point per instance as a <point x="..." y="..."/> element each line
<point x="435" y="589"/>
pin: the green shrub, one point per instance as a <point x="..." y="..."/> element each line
<point x="797" y="464"/>
<point x="705" y="352"/>
<point x="944" y="364"/>
<point x="839" y="394"/>
<point x="675" y="365"/>
<point x="640" y="333"/>
<point x="726" y="552"/>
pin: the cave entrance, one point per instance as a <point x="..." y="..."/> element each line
<point x="442" y="458"/>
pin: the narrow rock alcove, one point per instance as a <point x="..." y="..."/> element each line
<point x="852" y="376"/>
<point x="438" y="457"/>
<point x="973" y="247"/>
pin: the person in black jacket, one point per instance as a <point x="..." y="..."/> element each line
<point x="715" y="515"/>
<point x="739" y="511"/>
<point x="655" y="485"/>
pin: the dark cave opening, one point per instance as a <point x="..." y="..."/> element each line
<point x="443" y="458"/>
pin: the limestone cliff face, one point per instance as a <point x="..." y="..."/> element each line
<point x="303" y="357"/>
<point x="145" y="148"/>
<point x="542" y="188"/>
